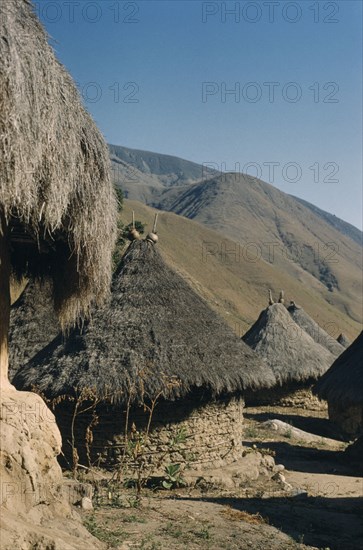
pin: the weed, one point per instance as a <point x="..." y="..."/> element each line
<point x="172" y="530"/>
<point x="133" y="519"/>
<point x="204" y="534"/>
<point x="251" y="431"/>
<point x="113" y="538"/>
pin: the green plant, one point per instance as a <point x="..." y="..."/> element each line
<point x="173" y="477"/>
<point x="133" y="519"/>
<point x="173" y="530"/>
<point x="251" y="431"/>
<point x="204" y="533"/>
<point x="112" y="537"/>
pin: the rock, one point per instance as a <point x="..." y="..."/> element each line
<point x="269" y="462"/>
<point x="86" y="503"/>
<point x="278" y="476"/>
<point x="34" y="510"/>
<point x="279" y="468"/>
<point x="286" y="486"/>
<point x="74" y="491"/>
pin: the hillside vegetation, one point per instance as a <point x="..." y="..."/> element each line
<point x="237" y="286"/>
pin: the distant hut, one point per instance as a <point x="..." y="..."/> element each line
<point x="156" y="336"/>
<point x="295" y="358"/>
<point x="343" y="340"/>
<point x="57" y="205"/>
<point x="342" y="387"/>
<point x="318" y="334"/>
<point x="33" y="324"/>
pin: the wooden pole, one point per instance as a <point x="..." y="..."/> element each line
<point x="4" y="300"/>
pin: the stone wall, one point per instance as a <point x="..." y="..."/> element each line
<point x="213" y="433"/>
<point x="349" y="420"/>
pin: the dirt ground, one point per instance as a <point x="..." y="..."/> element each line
<point x="324" y="508"/>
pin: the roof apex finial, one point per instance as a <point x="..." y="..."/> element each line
<point x="152" y="237"/>
<point x="281" y="297"/>
<point x="134" y="235"/>
<point x="270" y="298"/>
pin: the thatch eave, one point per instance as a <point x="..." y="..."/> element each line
<point x="342" y="384"/>
<point x="56" y="195"/>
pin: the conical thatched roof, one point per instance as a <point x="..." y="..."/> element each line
<point x="55" y="191"/>
<point x="319" y="335"/>
<point x="292" y="354"/>
<point x="154" y="327"/>
<point x="33" y="324"/>
<point x="343" y="382"/>
<point x="344" y="340"/>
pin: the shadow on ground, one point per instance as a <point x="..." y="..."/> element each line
<point x="313" y="425"/>
<point x="307" y="459"/>
<point x="334" y="523"/>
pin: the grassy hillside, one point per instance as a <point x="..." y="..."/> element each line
<point x="236" y="286"/>
<point x="318" y="249"/>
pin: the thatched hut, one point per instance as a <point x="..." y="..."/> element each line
<point x="343" y="340"/>
<point x="318" y="334"/>
<point x="57" y="206"/>
<point x="295" y="358"/>
<point x="155" y="337"/>
<point x="33" y="324"/>
<point x="342" y="387"/>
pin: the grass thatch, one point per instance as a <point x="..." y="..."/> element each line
<point x="55" y="188"/>
<point x="33" y="324"/>
<point x="154" y="328"/>
<point x="342" y="384"/>
<point x="319" y="335"/>
<point x="291" y="353"/>
<point x="344" y="340"/>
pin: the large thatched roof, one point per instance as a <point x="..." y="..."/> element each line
<point x="343" y="382"/>
<point x="55" y="189"/>
<point x="292" y="354"/>
<point x="33" y="324"/>
<point x="154" y="327"/>
<point x="317" y="333"/>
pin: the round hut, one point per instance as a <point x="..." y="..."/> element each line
<point x="343" y="340"/>
<point x="318" y="334"/>
<point x="156" y="339"/>
<point x="57" y="205"/>
<point x="33" y="324"/>
<point x="342" y="387"/>
<point x="295" y="358"/>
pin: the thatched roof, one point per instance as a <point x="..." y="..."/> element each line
<point x="154" y="327"/>
<point x="55" y="189"/>
<point x="291" y="353"/>
<point x="33" y="324"/>
<point x="319" y="335"/>
<point x="343" y="382"/>
<point x="344" y="340"/>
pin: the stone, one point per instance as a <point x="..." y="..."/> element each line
<point x="86" y="503"/>
<point x="269" y="462"/>
<point x="278" y="476"/>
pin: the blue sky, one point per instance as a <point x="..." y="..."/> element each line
<point x="269" y="87"/>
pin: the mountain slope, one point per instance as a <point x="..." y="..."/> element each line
<point x="235" y="287"/>
<point x="344" y="227"/>
<point x="283" y="231"/>
<point x="313" y="246"/>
